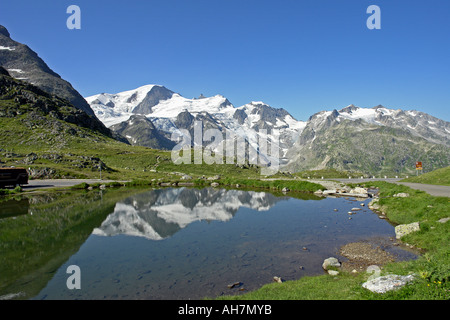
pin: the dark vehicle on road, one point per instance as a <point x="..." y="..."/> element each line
<point x="13" y="177"/>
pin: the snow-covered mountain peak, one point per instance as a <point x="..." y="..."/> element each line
<point x="417" y="123"/>
<point x="258" y="103"/>
<point x="163" y="107"/>
<point x="353" y="113"/>
<point x="172" y="107"/>
<point x="130" y="97"/>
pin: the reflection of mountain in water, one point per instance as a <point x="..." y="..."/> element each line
<point x="158" y="214"/>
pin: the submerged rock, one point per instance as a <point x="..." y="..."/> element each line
<point x="236" y="284"/>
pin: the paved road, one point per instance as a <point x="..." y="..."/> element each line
<point x="434" y="190"/>
<point x="392" y="180"/>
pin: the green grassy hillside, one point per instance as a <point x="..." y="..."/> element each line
<point x="53" y="139"/>
<point x="439" y="177"/>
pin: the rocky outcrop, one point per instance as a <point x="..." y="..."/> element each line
<point x="41" y="173"/>
<point x="139" y="130"/>
<point x="24" y="98"/>
<point x="153" y="97"/>
<point x="345" y="192"/>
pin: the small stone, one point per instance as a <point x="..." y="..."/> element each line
<point x="277" y="279"/>
<point x="333" y="272"/>
<point x="443" y="220"/>
<point x="401" y="195"/>
<point x="331" y="262"/>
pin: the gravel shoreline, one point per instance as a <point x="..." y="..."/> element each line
<point x="360" y="255"/>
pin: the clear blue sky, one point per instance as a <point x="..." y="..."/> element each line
<point x="301" y="55"/>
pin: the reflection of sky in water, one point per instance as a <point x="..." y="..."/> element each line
<point x="188" y="243"/>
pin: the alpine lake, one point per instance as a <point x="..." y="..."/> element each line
<point x="173" y="243"/>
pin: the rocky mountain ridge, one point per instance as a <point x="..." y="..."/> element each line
<point x="21" y="98"/>
<point x="24" y="64"/>
<point x="371" y="140"/>
<point x="376" y="140"/>
<point x="170" y="112"/>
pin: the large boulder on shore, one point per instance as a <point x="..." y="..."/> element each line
<point x="404" y="229"/>
<point x="387" y="283"/>
<point x="359" y="190"/>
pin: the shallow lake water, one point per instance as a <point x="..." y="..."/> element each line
<point x="183" y="243"/>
